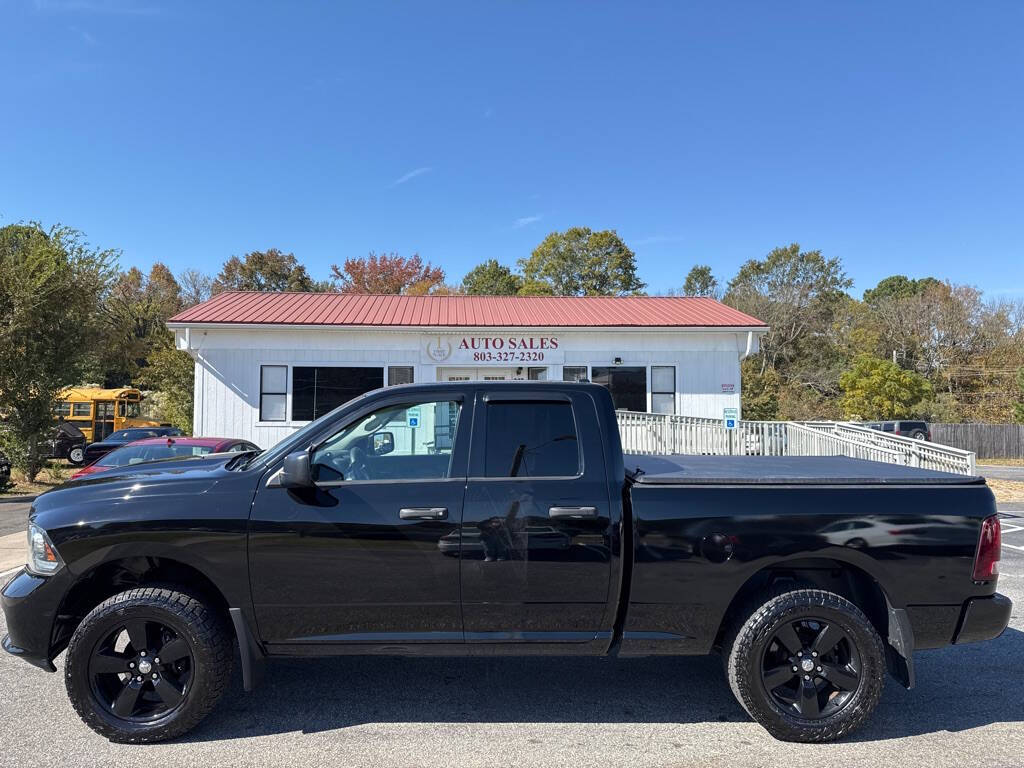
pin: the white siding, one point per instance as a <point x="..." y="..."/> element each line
<point x="228" y="366"/>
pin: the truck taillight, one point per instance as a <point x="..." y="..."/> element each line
<point x="986" y="559"/>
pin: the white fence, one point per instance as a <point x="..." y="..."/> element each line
<point x="656" y="433"/>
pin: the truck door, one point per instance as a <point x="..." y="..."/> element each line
<point x="369" y="556"/>
<point x="536" y="533"/>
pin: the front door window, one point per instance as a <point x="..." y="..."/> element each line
<point x="402" y="442"/>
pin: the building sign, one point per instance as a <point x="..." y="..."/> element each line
<point x="504" y="349"/>
<point x="728" y="389"/>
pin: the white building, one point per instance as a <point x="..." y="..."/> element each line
<point x="267" y="363"/>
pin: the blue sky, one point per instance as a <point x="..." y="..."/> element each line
<point x="888" y="134"/>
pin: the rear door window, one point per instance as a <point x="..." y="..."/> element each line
<point x="531" y="439"/>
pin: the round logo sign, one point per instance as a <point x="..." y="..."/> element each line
<point x="439" y="349"/>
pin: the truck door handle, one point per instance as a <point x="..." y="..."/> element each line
<point x="572" y="512"/>
<point x="423" y="513"/>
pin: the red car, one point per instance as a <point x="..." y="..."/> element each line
<point x="157" y="448"/>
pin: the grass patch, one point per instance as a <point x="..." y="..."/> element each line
<point x="55" y="473"/>
<point x="1002" y="462"/>
<point x="1006" y="490"/>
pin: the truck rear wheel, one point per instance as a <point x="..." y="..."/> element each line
<point x="807" y="665"/>
<point x="147" y="665"/>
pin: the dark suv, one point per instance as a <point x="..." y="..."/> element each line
<point x="918" y="430"/>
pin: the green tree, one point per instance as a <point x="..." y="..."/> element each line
<point x="388" y="273"/>
<point x="135" y="310"/>
<point x="491" y="279"/>
<point x="51" y="287"/>
<point x="797" y="293"/>
<point x="700" y="282"/>
<point x="760" y="391"/>
<point x="581" y="262"/>
<point x="535" y="288"/>
<point x="171" y="373"/>
<point x="270" y="270"/>
<point x="898" y="287"/>
<point x="879" y="389"/>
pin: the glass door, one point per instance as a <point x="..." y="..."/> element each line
<point x="103" y="421"/>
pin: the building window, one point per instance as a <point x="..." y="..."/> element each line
<point x="531" y="440"/>
<point x="400" y="374"/>
<point x="273" y="392"/>
<point x="627" y="384"/>
<point x="574" y="373"/>
<point x="537" y="374"/>
<point x="319" y="390"/>
<point x="663" y="389"/>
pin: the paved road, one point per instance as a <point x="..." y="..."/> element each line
<point x="1001" y="472"/>
<point x="966" y="710"/>
<point x="13" y="516"/>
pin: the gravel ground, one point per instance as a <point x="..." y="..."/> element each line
<point x="967" y="709"/>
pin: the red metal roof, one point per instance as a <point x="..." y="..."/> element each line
<point x="352" y="309"/>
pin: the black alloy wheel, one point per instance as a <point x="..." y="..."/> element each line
<point x="811" y="667"/>
<point x="806" y="663"/>
<point x="148" y="664"/>
<point x="141" y="671"/>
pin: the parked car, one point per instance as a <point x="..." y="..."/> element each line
<point x="68" y="442"/>
<point x="350" y="536"/>
<point x="918" y="430"/>
<point x="160" y="448"/>
<point x="5" y="470"/>
<point x="94" y="451"/>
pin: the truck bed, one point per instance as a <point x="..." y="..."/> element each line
<point x="782" y="470"/>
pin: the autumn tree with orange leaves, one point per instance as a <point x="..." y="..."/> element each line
<point x="388" y="273"/>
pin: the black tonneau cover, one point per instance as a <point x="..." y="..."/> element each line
<point x="782" y="470"/>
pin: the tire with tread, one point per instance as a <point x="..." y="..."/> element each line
<point x="745" y="645"/>
<point x="209" y="640"/>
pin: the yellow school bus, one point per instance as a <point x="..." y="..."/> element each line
<point x="98" y="412"/>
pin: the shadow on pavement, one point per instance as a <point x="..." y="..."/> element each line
<point x="958" y="688"/>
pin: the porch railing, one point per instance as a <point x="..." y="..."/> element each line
<point x="654" y="433"/>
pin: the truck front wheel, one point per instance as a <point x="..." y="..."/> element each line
<point x="147" y="665"/>
<point x="807" y="665"/>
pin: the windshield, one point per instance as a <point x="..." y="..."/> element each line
<point x="136" y="454"/>
<point x="127" y="435"/>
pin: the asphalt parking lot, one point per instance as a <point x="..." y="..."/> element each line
<point x="967" y="709"/>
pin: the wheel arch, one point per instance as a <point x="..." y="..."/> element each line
<point x="827" y="573"/>
<point x="119" y="574"/>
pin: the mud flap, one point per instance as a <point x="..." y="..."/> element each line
<point x="249" y="651"/>
<point x="899" y="651"/>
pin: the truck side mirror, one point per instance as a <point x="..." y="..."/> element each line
<point x="383" y="443"/>
<point x="295" y="472"/>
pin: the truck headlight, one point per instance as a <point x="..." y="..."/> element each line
<point x="42" y="555"/>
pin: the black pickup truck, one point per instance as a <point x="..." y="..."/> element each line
<point x="500" y="518"/>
